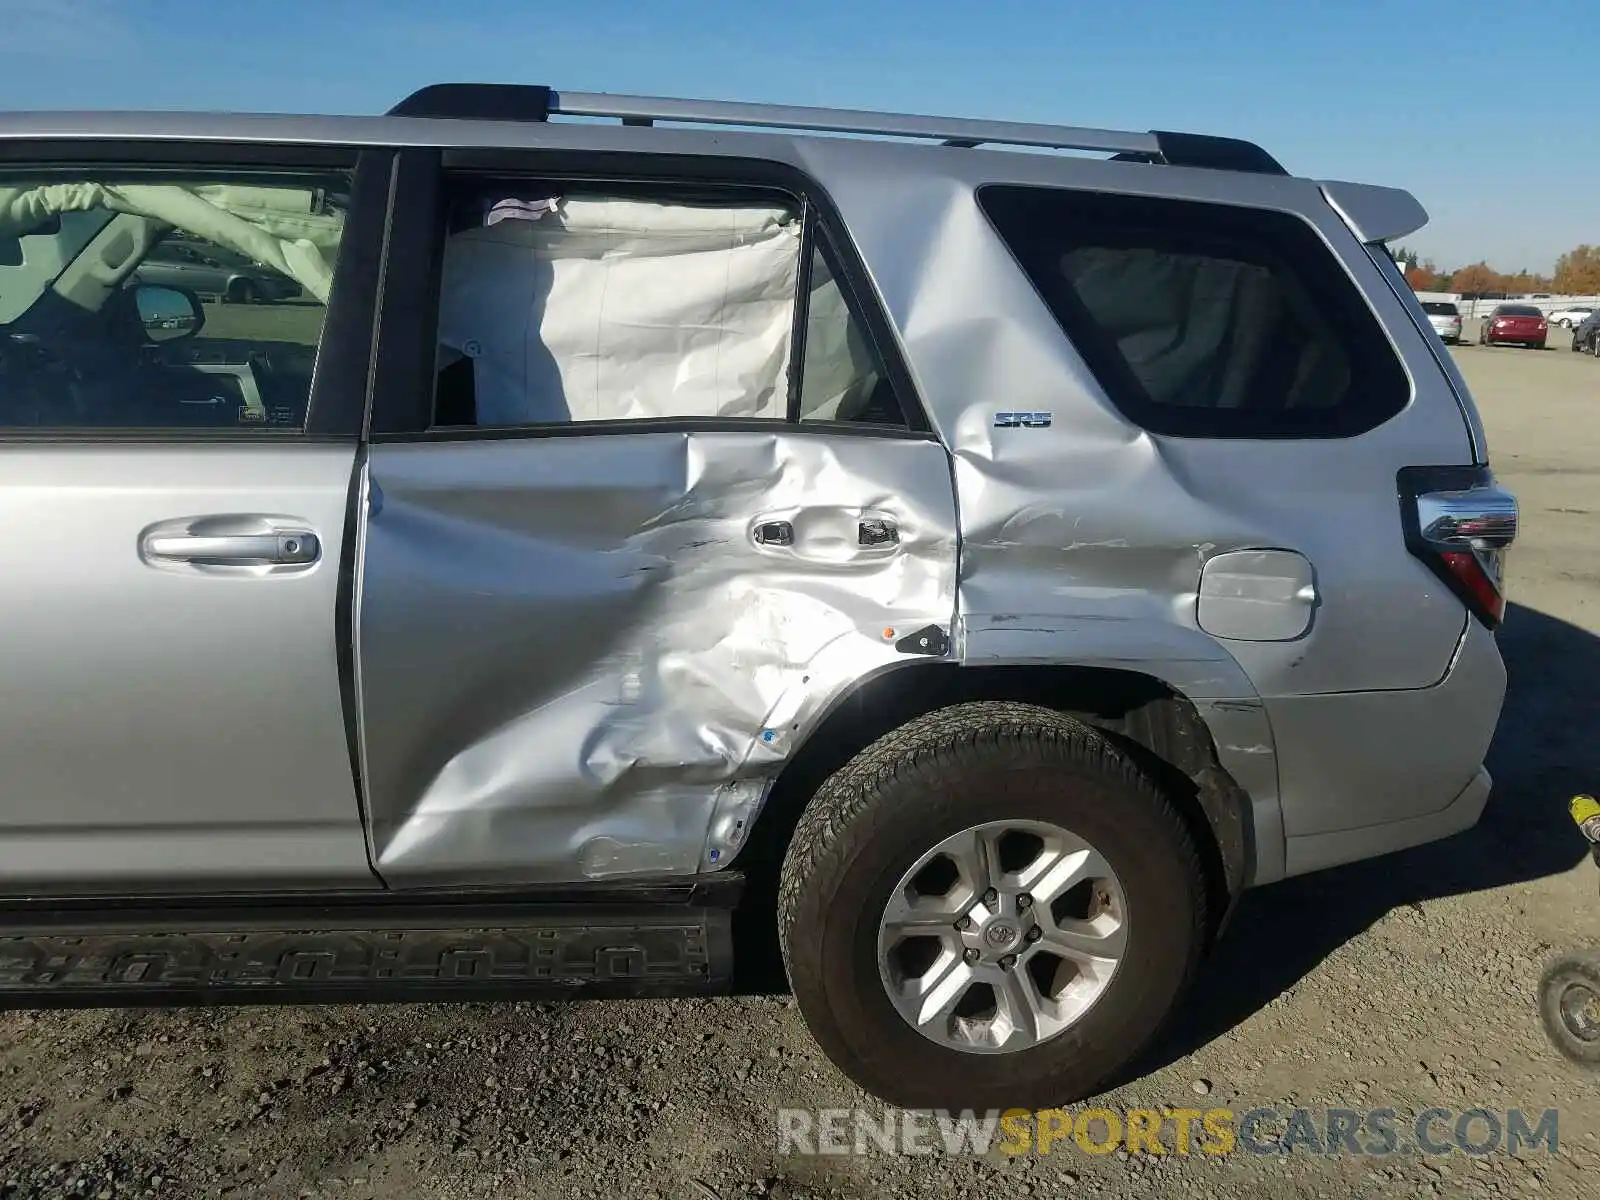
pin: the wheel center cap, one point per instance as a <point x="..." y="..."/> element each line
<point x="999" y="934"/>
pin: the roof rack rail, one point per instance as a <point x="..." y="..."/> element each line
<point x="529" y="102"/>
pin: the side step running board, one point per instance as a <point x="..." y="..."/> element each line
<point x="362" y="953"/>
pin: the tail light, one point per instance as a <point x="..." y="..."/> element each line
<point x="1460" y="523"/>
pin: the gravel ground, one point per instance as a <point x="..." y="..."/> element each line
<point x="1407" y="982"/>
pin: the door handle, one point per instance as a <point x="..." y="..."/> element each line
<point x="775" y="533"/>
<point x="232" y="543"/>
<point x="877" y="531"/>
<point x="240" y="549"/>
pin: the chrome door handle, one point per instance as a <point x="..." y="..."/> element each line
<point x="243" y="549"/>
<point x="231" y="543"/>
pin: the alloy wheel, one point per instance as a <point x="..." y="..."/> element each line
<point x="1002" y="936"/>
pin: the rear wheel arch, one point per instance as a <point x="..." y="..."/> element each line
<point x="1157" y="727"/>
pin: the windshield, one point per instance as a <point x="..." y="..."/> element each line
<point x="1439" y="308"/>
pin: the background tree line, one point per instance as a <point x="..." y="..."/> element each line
<point x="1577" y="274"/>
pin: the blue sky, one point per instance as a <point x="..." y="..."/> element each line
<point x="1485" y="112"/>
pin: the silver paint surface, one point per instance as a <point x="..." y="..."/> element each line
<point x="575" y="661"/>
<point x="1256" y="595"/>
<point x="1084" y="542"/>
<point x="1365" y="758"/>
<point x="559" y="681"/>
<point x="170" y="726"/>
<point x="1373" y="213"/>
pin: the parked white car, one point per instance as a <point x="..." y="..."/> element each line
<point x="1445" y="318"/>
<point x="1568" y="318"/>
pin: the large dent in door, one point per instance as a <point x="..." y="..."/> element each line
<point x="577" y="664"/>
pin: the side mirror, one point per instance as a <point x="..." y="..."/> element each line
<point x="168" y="313"/>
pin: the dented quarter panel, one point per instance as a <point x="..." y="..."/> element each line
<point x="1083" y="539"/>
<point x="576" y="663"/>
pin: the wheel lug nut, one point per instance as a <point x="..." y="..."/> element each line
<point x="971" y="956"/>
<point x="991" y="896"/>
<point x="964" y="923"/>
<point x="1034" y="934"/>
<point x="1024" y="901"/>
<point x="1008" y="962"/>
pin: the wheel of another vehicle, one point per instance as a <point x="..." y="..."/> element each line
<point x="1569" y="1005"/>
<point x="991" y="906"/>
<point x="1564" y="323"/>
<point x="1594" y="344"/>
<point x="242" y="291"/>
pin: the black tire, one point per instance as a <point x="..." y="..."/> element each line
<point x="934" y="777"/>
<point x="1567" y="978"/>
<point x="242" y="291"/>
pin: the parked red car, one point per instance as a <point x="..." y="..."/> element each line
<point x="1519" y="323"/>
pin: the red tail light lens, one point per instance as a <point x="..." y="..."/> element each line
<point x="1489" y="600"/>
<point x="1460" y="523"/>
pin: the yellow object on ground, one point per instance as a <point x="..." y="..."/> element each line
<point x="1585" y="811"/>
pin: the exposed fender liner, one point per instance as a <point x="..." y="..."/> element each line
<point x="1188" y="662"/>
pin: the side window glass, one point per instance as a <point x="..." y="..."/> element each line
<point x="1205" y="320"/>
<point x="842" y="378"/>
<point x="154" y="301"/>
<point x="560" y="306"/>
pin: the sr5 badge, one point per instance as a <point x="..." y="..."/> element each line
<point x="1022" y="420"/>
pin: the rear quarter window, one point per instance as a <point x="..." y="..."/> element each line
<point x="1204" y="320"/>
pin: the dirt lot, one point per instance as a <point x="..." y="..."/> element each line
<point x="1403" y="983"/>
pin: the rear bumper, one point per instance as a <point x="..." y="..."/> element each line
<point x="1529" y="337"/>
<point x="1364" y="773"/>
<point x="1319" y="850"/>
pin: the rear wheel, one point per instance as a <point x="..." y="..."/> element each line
<point x="990" y="906"/>
<point x="242" y="291"/>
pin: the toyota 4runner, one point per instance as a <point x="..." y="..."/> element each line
<point x="642" y="528"/>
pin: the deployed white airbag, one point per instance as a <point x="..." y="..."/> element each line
<point x="276" y="227"/>
<point x="600" y="309"/>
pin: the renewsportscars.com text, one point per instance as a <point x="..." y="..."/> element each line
<point x="1214" y="1132"/>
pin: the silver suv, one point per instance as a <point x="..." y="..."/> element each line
<point x="963" y="569"/>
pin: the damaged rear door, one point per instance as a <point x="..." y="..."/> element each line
<point x="633" y="518"/>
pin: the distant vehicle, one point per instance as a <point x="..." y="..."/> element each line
<point x="212" y="271"/>
<point x="1445" y="318"/>
<point x="1567" y="318"/>
<point x="1517" y="324"/>
<point x="1587" y="335"/>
